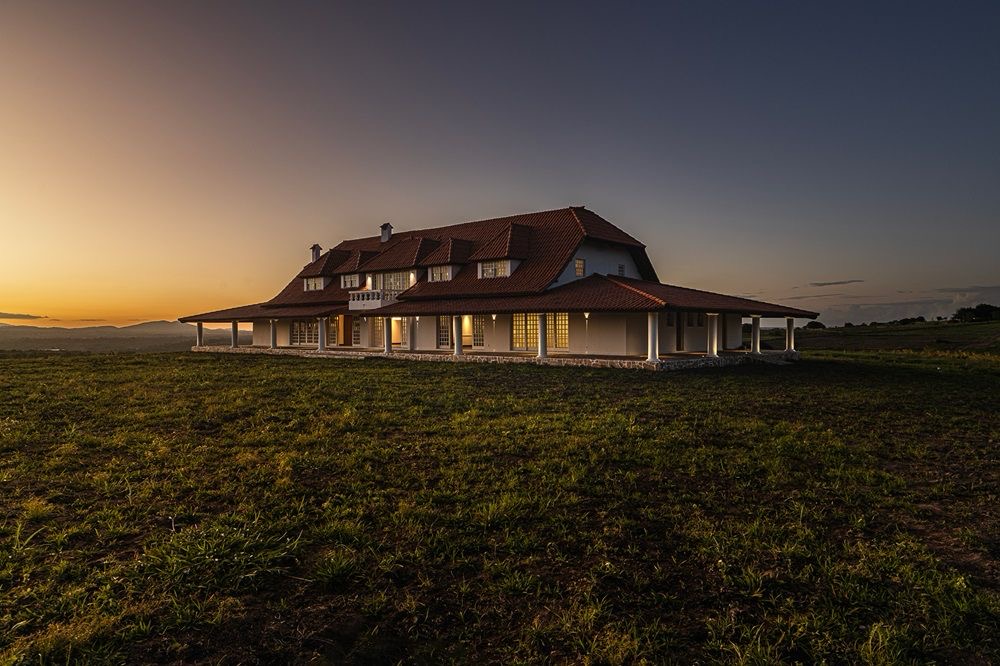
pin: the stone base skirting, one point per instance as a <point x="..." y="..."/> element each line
<point x="663" y="365"/>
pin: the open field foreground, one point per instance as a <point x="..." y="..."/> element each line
<point x="247" y="509"/>
<point x="978" y="337"/>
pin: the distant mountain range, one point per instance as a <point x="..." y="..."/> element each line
<point x="150" y="336"/>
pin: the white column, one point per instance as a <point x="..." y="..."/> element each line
<point x="236" y="334"/>
<point x="199" y="335"/>
<point x="387" y="334"/>
<point x="789" y="334"/>
<point x="456" y="332"/>
<point x="321" y="323"/>
<point x="712" y="330"/>
<point x="653" y="336"/>
<point x="755" y="334"/>
<point x="543" y="349"/>
<point x="274" y="334"/>
<point x="411" y="334"/>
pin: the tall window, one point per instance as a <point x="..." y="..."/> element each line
<point x="440" y="273"/>
<point x="397" y="281"/>
<point x="331" y="330"/>
<point x="304" y="332"/>
<point x="314" y="283"/>
<point x="444" y="332"/>
<point x="621" y="270"/>
<point x="350" y="281"/>
<point x="524" y="331"/>
<point x="479" y="330"/>
<point x="491" y="269"/>
<point x="356" y="331"/>
<point x="375" y="331"/>
<point x="581" y="267"/>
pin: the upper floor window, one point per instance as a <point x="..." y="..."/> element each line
<point x="498" y="268"/>
<point x="440" y="273"/>
<point x="581" y="267"/>
<point x="621" y="270"/>
<point x="350" y="281"/>
<point x="397" y="281"/>
<point x="314" y="283"/>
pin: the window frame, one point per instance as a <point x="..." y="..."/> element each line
<point x="350" y="281"/>
<point x="498" y="268"/>
<point x="580" y="267"/>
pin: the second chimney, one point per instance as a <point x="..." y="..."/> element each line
<point x="386" y="231"/>
<point x="316" y="250"/>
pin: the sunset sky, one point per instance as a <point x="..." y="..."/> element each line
<point x="163" y="159"/>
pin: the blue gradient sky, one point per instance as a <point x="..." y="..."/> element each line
<point x="164" y="160"/>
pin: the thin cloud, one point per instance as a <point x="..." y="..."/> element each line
<point x="967" y="290"/>
<point x="805" y="298"/>
<point x="14" y="315"/>
<point x="833" y="283"/>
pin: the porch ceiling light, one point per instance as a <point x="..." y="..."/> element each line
<point x="586" y="315"/>
<point x="494" y="317"/>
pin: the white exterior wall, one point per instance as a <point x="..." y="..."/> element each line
<point x="636" y="334"/>
<point x="668" y="335"/>
<point x="426" y="332"/>
<point x="600" y="258"/>
<point x="496" y="336"/>
<point x="261" y="333"/>
<point x="734" y="332"/>
<point x="603" y="334"/>
<point x="696" y="337"/>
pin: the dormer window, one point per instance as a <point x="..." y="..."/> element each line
<point x="350" y="281"/>
<point x="314" y="283"/>
<point x="439" y="274"/>
<point x="492" y="269"/>
<point x="581" y="267"/>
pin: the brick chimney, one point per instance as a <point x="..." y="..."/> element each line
<point x="386" y="231"/>
<point x="316" y="251"/>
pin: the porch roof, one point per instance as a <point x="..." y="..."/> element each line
<point x="263" y="311"/>
<point x="596" y="293"/>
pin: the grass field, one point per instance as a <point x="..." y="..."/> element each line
<point x="244" y="509"/>
<point x="935" y="336"/>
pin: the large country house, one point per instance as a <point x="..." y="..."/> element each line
<point x="556" y="284"/>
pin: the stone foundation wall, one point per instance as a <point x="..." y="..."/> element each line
<point x="664" y="365"/>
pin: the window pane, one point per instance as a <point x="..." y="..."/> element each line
<point x="478" y="330"/>
<point x="444" y="332"/>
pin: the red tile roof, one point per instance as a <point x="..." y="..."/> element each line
<point x="451" y="251"/>
<point x="326" y="264"/>
<point x="544" y="242"/>
<point x="597" y="293"/>
<point x="514" y="242"/>
<point x="261" y="311"/>
<point x="400" y="254"/>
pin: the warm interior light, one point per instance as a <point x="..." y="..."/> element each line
<point x="494" y="317"/>
<point x="586" y="315"/>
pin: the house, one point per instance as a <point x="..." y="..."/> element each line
<point x="562" y="283"/>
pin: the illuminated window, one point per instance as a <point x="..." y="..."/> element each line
<point x="315" y="283"/>
<point x="491" y="269"/>
<point x="304" y="333"/>
<point x="440" y="273"/>
<point x="581" y="267"/>
<point x="478" y="330"/>
<point x="444" y="332"/>
<point x="524" y="331"/>
<point x="397" y="281"/>
<point x="350" y="281"/>
<point x="375" y="329"/>
<point x="356" y="331"/>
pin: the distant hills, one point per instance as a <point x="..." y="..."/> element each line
<point x="150" y="336"/>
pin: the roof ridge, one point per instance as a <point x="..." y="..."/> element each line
<point x="579" y="222"/>
<point x="635" y="289"/>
